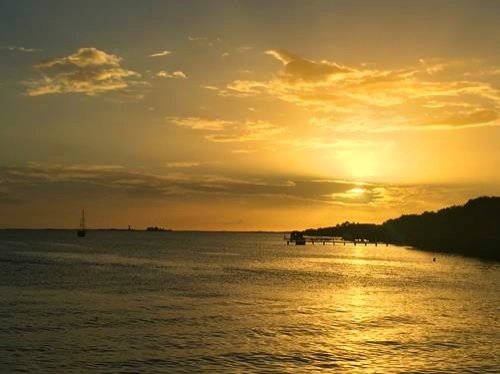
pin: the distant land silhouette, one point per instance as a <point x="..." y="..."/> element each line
<point x="472" y="229"/>
<point x="156" y="228"/>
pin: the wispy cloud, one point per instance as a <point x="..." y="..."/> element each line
<point x="204" y="41"/>
<point x="175" y="74"/>
<point x="243" y="151"/>
<point x="464" y="118"/>
<point x="211" y="88"/>
<point x="197" y="123"/>
<point x="159" y="54"/>
<point x="196" y="38"/>
<point x="225" y="131"/>
<point x="183" y="164"/>
<point x="326" y="143"/>
<point x="244" y="49"/>
<point x="248" y="131"/>
<point x="21" y="49"/>
<point x="88" y="71"/>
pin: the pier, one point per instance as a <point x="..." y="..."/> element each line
<point x="297" y="238"/>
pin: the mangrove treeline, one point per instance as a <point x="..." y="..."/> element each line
<point x="472" y="229"/>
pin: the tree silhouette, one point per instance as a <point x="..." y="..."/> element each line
<point x="472" y="229"/>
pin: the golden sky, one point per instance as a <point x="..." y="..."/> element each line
<point x="245" y="115"/>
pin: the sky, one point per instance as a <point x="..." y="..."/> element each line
<point x="245" y="115"/>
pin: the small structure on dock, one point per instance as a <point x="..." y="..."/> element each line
<point x="297" y="237"/>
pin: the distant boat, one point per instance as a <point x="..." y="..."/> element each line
<point x="81" y="230"/>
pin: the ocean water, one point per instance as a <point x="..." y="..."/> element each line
<point x="232" y="302"/>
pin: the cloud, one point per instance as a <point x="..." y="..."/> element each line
<point x="175" y="74"/>
<point x="82" y="58"/>
<point x="325" y="143"/>
<point x="224" y="131"/>
<point x="244" y="88"/>
<point x="492" y="71"/>
<point x="48" y="180"/>
<point x="197" y="38"/>
<point x="89" y="71"/>
<point x="247" y="131"/>
<point x="297" y="68"/>
<point x="243" y="151"/>
<point x="21" y="49"/>
<point x="244" y="49"/>
<point x="366" y="98"/>
<point x="211" y="88"/>
<point x="464" y="119"/>
<point x="159" y="54"/>
<point x="183" y="164"/>
<point x="197" y="123"/>
<point x="140" y="184"/>
<point x="204" y="40"/>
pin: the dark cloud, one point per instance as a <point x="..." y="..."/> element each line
<point x="172" y="184"/>
<point x="46" y="182"/>
<point x="296" y="67"/>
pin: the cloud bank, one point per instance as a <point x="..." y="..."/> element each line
<point x="113" y="179"/>
<point x="432" y="95"/>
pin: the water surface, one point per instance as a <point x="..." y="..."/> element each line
<point x="221" y="302"/>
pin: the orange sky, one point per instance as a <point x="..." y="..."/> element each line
<point x="245" y="115"/>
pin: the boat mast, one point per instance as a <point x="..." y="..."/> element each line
<point x="83" y="219"/>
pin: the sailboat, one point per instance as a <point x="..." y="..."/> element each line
<point x="81" y="230"/>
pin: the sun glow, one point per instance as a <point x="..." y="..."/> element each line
<point x="235" y="125"/>
<point x="357" y="191"/>
<point x="355" y="194"/>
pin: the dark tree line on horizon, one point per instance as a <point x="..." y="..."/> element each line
<point x="472" y="229"/>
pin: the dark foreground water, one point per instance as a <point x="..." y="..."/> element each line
<point x="215" y="302"/>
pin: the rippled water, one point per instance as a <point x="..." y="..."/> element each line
<point x="217" y="302"/>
